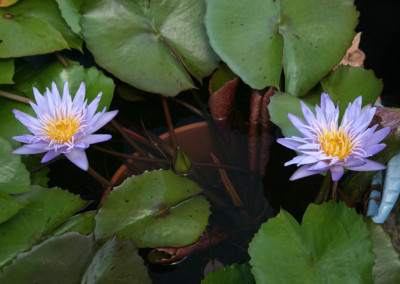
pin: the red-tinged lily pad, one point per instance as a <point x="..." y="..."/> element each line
<point x="389" y="117"/>
<point x="155" y="209"/>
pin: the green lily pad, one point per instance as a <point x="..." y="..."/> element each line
<point x="8" y="206"/>
<point x="235" y="273"/>
<point x="343" y="85"/>
<point x="220" y="77"/>
<point x="81" y="223"/>
<point x="117" y="261"/>
<point x="347" y="83"/>
<point x="74" y="74"/>
<point x="70" y="10"/>
<point x="38" y="177"/>
<point x="14" y="178"/>
<point x="387" y="263"/>
<point x="153" y="45"/>
<point x="34" y="27"/>
<point x="257" y="38"/>
<point x="45" y="209"/>
<point x="57" y="260"/>
<point x="6" y="71"/>
<point x="160" y="209"/>
<point x="332" y="245"/>
<point x="281" y="104"/>
<point x="9" y="125"/>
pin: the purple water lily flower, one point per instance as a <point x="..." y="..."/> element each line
<point x="63" y="126"/>
<point x="325" y="146"/>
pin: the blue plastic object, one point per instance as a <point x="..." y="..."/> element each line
<point x="391" y="192"/>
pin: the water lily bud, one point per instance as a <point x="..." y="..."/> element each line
<point x="181" y="163"/>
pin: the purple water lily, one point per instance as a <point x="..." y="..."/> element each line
<point x="63" y="126"/>
<point x="325" y="146"/>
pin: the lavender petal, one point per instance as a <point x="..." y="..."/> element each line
<point x="26" y="138"/>
<point x="80" y="95"/>
<point x="300" y="125"/>
<point x="368" y="166"/>
<point x="320" y="166"/>
<point x="354" y="163"/>
<point x="378" y="136"/>
<point x="92" y="107"/>
<point x="303" y="171"/>
<point x="24" y="150"/>
<point x="337" y="172"/>
<point x="372" y="150"/>
<point x="95" y="138"/>
<point x="289" y="143"/>
<point x="49" y="156"/>
<point x="29" y="121"/>
<point x="102" y="120"/>
<point x="78" y="157"/>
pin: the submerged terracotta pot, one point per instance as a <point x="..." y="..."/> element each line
<point x="197" y="140"/>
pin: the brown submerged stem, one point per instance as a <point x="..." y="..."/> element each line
<point x="128" y="138"/>
<point x="169" y="122"/>
<point x="146" y="159"/>
<point x="133" y="157"/>
<point x="61" y="59"/>
<point x="334" y="190"/>
<point x="228" y="184"/>
<point x="325" y="188"/>
<point x="15" y="97"/>
<point x="99" y="178"/>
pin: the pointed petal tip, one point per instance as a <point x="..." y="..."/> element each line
<point x="78" y="158"/>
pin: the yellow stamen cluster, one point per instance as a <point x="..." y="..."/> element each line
<point x="61" y="130"/>
<point x="336" y="143"/>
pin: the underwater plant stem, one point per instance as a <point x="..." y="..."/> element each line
<point x="15" y="97"/>
<point x="224" y="166"/>
<point x="133" y="157"/>
<point x="344" y="197"/>
<point x="266" y="129"/>
<point x="228" y="184"/>
<point x="147" y="159"/>
<point x="41" y="166"/>
<point x="169" y="122"/>
<point x="254" y="122"/>
<point x="325" y="188"/>
<point x="99" y="177"/>
<point x="334" y="190"/>
<point x="61" y="59"/>
<point x="128" y="138"/>
<point x="189" y="107"/>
